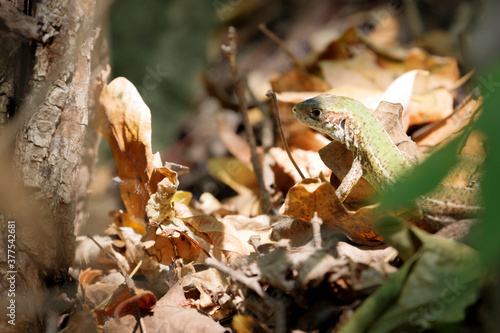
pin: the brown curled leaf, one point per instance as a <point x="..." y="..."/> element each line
<point x="313" y="195"/>
<point x="145" y="301"/>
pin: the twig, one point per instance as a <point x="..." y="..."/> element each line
<point x="254" y="240"/>
<point x="128" y="282"/>
<point x="238" y="276"/>
<point x="230" y="51"/>
<point x="271" y="94"/>
<point x="262" y="27"/>
<point x="316" y="222"/>
<point x="267" y="141"/>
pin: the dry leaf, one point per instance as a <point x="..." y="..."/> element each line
<point x="126" y="125"/>
<point x="87" y="276"/>
<point x="167" y="244"/>
<point x="431" y="106"/>
<point x="201" y="289"/>
<point x="475" y="144"/>
<point x="400" y="91"/>
<point x="361" y="70"/>
<point x="124" y="219"/>
<point x="312" y="195"/>
<point x="443" y="70"/>
<point x="339" y="159"/>
<point x="234" y="143"/>
<point x="81" y="321"/>
<point x="234" y="173"/>
<point x="168" y="317"/>
<point x="223" y="237"/>
<point x="123" y="303"/>
<point x="298" y="80"/>
<point x="125" y="122"/>
<point x="159" y="207"/>
<point x="390" y="116"/>
<point x="443" y="132"/>
<point x="308" y="161"/>
<point x="340" y="48"/>
<point x="145" y="301"/>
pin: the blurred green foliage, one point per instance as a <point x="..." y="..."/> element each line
<point x="489" y="123"/>
<point x="160" y="47"/>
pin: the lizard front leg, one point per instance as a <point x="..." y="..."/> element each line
<point x="350" y="179"/>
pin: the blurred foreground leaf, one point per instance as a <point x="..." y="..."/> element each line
<point x="437" y="282"/>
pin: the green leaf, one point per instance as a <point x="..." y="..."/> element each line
<point x="423" y="178"/>
<point x="435" y="285"/>
<point x="489" y="124"/>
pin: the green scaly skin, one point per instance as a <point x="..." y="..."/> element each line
<point x="348" y="121"/>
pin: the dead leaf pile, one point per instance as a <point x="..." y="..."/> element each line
<point x="175" y="260"/>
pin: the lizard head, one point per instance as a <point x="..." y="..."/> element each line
<point x="326" y="113"/>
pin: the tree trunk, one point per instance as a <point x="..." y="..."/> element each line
<point x="47" y="153"/>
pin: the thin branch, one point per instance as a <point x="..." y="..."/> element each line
<point x="230" y="52"/>
<point x="316" y="222"/>
<point x="271" y="94"/>
<point x="238" y="276"/>
<point x="262" y="27"/>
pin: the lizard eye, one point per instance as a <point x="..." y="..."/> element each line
<point x="315" y="113"/>
<point x="342" y="124"/>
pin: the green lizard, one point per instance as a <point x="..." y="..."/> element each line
<point x="376" y="157"/>
<point x="350" y="122"/>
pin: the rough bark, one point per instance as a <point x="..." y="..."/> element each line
<point x="49" y="153"/>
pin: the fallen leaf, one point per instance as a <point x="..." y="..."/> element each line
<point x="126" y="125"/>
<point x="222" y="236"/>
<point x="444" y="71"/>
<point x="202" y="288"/>
<point x="339" y="159"/>
<point x="360" y="70"/>
<point x="159" y="206"/>
<point x="124" y="120"/>
<point x="127" y="248"/>
<point x="169" y="318"/>
<point x="439" y="134"/>
<point x="87" y="276"/>
<point x="167" y="244"/>
<point x="400" y="91"/>
<point x="312" y="195"/>
<point x="236" y="174"/>
<point x="308" y="162"/>
<point x="432" y="106"/>
<point x="81" y="322"/>
<point x="234" y="143"/>
<point x="145" y="301"/>
<point x="340" y="48"/>
<point x="124" y="301"/>
<point x="124" y="219"/>
<point x="298" y="80"/>
<point x="475" y="144"/>
<point x="390" y="116"/>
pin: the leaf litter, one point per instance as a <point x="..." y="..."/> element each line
<point x="208" y="262"/>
